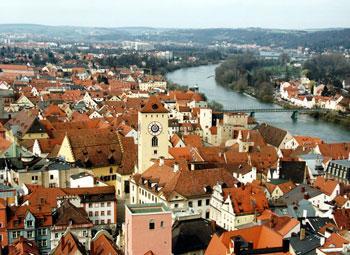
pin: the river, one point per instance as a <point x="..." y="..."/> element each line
<point x="203" y="77"/>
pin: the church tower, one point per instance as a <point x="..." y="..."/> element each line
<point x="152" y="133"/>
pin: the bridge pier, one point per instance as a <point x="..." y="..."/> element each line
<point x="295" y="115"/>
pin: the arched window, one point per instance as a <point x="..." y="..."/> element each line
<point x="154" y="141"/>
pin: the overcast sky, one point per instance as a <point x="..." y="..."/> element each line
<point x="295" y="14"/>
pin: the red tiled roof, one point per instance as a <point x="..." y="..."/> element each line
<point x="260" y="236"/>
<point x="153" y="105"/>
<point x="247" y="198"/>
<point x="326" y="186"/>
<point x="23" y="246"/>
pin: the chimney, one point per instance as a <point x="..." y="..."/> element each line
<point x="237" y="247"/>
<point x="213" y="226"/>
<point x="176" y="167"/>
<point x="161" y="161"/>
<point x="285" y="245"/>
<point x="63" y="243"/>
<point x="322" y="240"/>
<point x="304" y="214"/>
<point x="193" y="167"/>
<point x="302" y="233"/>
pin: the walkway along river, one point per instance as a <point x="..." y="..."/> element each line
<point x="203" y="76"/>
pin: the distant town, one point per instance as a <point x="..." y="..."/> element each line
<point x="101" y="153"/>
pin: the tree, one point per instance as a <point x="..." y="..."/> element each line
<point x="241" y="85"/>
<point x="51" y="58"/>
<point x="265" y="92"/>
<point x="329" y="69"/>
<point x="215" y="106"/>
<point x="284" y="59"/>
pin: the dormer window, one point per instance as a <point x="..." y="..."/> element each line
<point x="29" y="223"/>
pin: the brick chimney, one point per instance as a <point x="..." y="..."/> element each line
<point x="302" y="233"/>
<point x="161" y="161"/>
<point x="176" y="167"/>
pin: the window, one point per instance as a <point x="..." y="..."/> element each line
<point x="85" y="233"/>
<point x="109" y="204"/>
<point x="190" y="204"/>
<point x="162" y="224"/>
<point x="176" y="205"/>
<point x="108" y="212"/>
<point x="96" y="222"/>
<point x="29" y="223"/>
<point x="90" y="205"/>
<point x="96" y="213"/>
<point x="207" y="201"/>
<point x="155" y="152"/>
<point x="111" y="170"/>
<point x="109" y="221"/>
<point x="56" y="235"/>
<point x="102" y="204"/>
<point x="102" y="213"/>
<point x="44" y="243"/>
<point x="102" y="221"/>
<point x="199" y="202"/>
<point x="90" y="214"/>
<point x="151" y="224"/>
<point x="51" y="176"/>
<point x="42" y="232"/>
<point x="154" y="141"/>
<point x="207" y="215"/>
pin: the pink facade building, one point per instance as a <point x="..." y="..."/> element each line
<point x="147" y="229"/>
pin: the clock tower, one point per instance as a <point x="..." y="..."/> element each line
<point x="152" y="133"/>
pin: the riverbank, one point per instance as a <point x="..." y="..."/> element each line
<point x="330" y="116"/>
<point x="307" y="125"/>
<point x="174" y="67"/>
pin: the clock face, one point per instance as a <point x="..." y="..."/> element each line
<point x="154" y="128"/>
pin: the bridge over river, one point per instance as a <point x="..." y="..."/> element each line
<point x="294" y="111"/>
<point x="279" y="117"/>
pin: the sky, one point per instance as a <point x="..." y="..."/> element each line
<point x="288" y="14"/>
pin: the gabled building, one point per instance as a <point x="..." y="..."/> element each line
<point x="247" y="240"/>
<point x="181" y="187"/>
<point x="237" y="206"/>
<point x="69" y="244"/>
<point x="330" y="188"/>
<point x="275" y="136"/>
<point x="25" y="125"/>
<point x="67" y="216"/>
<point x="32" y="223"/>
<point x="103" y="243"/>
<point x="23" y="246"/>
<point x="109" y="155"/>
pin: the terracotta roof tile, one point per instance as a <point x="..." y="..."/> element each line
<point x="326" y="186"/>
<point x="153" y="105"/>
